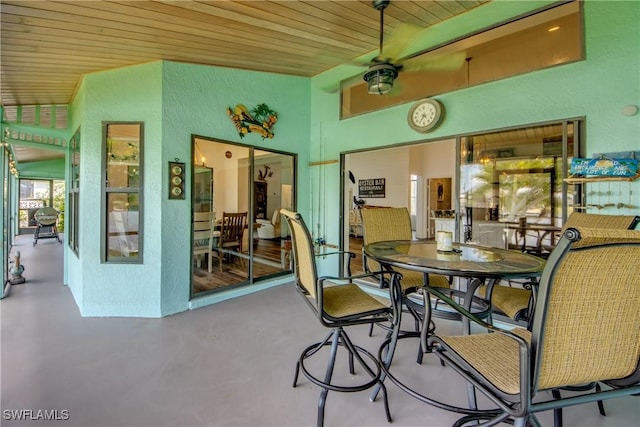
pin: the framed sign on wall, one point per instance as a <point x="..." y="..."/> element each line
<point x="371" y="188"/>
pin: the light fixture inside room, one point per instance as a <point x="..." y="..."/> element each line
<point x="380" y="78"/>
<point x="198" y="153"/>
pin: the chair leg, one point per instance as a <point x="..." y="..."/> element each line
<point x="328" y="374"/>
<point x="338" y="337"/>
<point x="295" y="376"/>
<point x="321" y="402"/>
<point x="600" y="404"/>
<point x="388" y="356"/>
<point x="557" y="413"/>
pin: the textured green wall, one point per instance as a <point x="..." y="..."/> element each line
<point x="195" y="99"/>
<point x="174" y="100"/>
<point x="125" y="94"/>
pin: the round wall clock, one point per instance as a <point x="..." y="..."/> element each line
<point x="425" y="115"/>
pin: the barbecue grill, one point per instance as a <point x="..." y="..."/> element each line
<point x="46" y="218"/>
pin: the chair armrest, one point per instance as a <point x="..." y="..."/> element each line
<point x="460" y="309"/>
<point x="359" y="276"/>
<point x="524" y="345"/>
<point x="351" y="256"/>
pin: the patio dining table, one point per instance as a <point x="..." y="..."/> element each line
<point x="479" y="264"/>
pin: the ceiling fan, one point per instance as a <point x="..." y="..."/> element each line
<point x="384" y="69"/>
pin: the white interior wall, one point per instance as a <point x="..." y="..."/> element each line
<point x="391" y="164"/>
<point x="427" y="160"/>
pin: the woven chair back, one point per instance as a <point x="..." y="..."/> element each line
<point x="380" y="224"/>
<point x="618" y="222"/>
<point x="304" y="266"/>
<point x="587" y="321"/>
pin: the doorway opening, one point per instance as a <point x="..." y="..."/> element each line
<point x="477" y="186"/>
<point x="36" y="194"/>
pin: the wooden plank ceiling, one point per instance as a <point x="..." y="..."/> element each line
<point x="46" y="46"/>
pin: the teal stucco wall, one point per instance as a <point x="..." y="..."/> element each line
<point x="125" y="94"/>
<point x="194" y="101"/>
<point x="174" y="100"/>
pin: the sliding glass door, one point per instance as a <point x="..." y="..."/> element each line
<point x="237" y="183"/>
<point x="501" y="182"/>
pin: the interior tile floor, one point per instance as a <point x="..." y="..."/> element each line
<point x="228" y="364"/>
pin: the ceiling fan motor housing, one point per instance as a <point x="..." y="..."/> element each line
<point x="380" y="4"/>
<point x="380" y="78"/>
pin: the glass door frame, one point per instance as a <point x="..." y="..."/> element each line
<point x="578" y="127"/>
<point x="198" y="161"/>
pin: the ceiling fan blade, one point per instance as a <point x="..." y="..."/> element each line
<point x="443" y="62"/>
<point x="398" y="89"/>
<point x="400" y="38"/>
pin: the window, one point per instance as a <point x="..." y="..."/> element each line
<point x="122" y="166"/>
<point x="413" y="195"/>
<point x="74" y="193"/>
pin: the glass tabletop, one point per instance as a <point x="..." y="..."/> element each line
<point x="464" y="260"/>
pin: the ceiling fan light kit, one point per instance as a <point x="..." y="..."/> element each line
<point x="380" y="78"/>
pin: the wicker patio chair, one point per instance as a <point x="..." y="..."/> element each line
<point x="516" y="302"/>
<point x="586" y="329"/>
<point x="380" y="224"/>
<point x="338" y="303"/>
<point x="394" y="223"/>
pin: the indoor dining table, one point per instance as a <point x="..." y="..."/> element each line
<point x="479" y="264"/>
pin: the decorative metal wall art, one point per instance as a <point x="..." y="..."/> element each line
<point x="260" y="120"/>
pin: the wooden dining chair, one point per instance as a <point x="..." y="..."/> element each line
<point x="231" y="231"/>
<point x="586" y="329"/>
<point x="204" y="237"/>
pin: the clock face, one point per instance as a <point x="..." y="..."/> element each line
<point x="424" y="115"/>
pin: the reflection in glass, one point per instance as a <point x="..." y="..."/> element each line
<point x="122" y="223"/>
<point x="513" y="176"/>
<point x="73" y="197"/>
<point x="123" y="171"/>
<point x="242" y="179"/>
